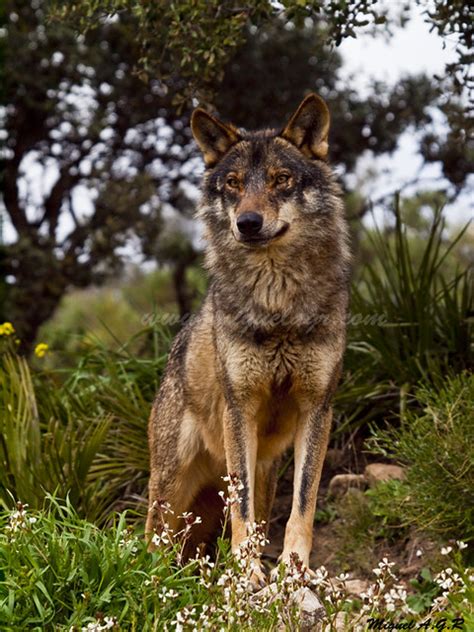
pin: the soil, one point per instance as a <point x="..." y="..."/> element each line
<point x="327" y="544"/>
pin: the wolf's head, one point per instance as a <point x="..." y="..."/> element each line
<point x="259" y="186"/>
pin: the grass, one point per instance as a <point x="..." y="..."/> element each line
<point x="60" y="572"/>
<point x="47" y="443"/>
<point x="80" y="431"/>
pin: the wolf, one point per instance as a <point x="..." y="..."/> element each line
<point x="255" y="370"/>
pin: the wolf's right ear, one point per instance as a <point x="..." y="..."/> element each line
<point x="213" y="137"/>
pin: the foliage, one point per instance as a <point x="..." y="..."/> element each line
<point x="123" y="384"/>
<point x="79" y="120"/>
<point x="84" y="316"/>
<point x="48" y="442"/>
<point x="454" y="18"/>
<point x="87" y="571"/>
<point x="80" y="431"/>
<point x="110" y="316"/>
<point x="193" y="41"/>
<point x="436" y="447"/>
<point x="372" y="122"/>
<point x="410" y="321"/>
<point x="59" y="571"/>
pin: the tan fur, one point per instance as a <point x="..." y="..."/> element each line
<point x="254" y="371"/>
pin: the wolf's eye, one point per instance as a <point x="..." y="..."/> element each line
<point x="282" y="178"/>
<point x="232" y="182"/>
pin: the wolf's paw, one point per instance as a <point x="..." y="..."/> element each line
<point x="258" y="579"/>
<point x="298" y="570"/>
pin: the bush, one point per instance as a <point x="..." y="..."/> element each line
<point x="59" y="572"/>
<point x="47" y="443"/>
<point x="411" y="321"/>
<point x="436" y="446"/>
<point x="80" y="431"/>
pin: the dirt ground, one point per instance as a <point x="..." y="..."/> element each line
<point x="327" y="543"/>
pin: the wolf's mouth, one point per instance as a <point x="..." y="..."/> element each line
<point x="261" y="240"/>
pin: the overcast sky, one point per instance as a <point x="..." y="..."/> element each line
<point x="412" y="49"/>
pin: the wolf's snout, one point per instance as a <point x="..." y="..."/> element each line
<point x="249" y="223"/>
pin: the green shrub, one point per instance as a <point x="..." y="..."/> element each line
<point x="122" y="384"/>
<point x="60" y="571"/>
<point x="80" y="431"/>
<point x="436" y="446"/>
<point x="411" y="321"/>
<point x="47" y="443"/>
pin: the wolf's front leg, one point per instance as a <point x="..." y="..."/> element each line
<point x="311" y="441"/>
<point x="240" y="443"/>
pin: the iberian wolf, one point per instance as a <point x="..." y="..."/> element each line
<point x="254" y="371"/>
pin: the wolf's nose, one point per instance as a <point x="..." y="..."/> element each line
<point x="249" y="223"/>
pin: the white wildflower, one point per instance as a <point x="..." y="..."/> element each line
<point x="446" y="550"/>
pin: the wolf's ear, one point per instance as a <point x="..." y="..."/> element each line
<point x="213" y="137"/>
<point x="308" y="128"/>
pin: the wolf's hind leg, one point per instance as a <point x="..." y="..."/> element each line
<point x="173" y="489"/>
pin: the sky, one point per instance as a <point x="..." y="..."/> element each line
<point x="411" y="49"/>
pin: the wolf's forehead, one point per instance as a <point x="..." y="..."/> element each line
<point x="260" y="154"/>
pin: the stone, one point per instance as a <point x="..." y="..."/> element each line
<point x="381" y="472"/>
<point x="355" y="587"/>
<point x="311" y="609"/>
<point x="342" y="482"/>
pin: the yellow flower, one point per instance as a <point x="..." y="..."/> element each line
<point x="7" y="329"/>
<point x="41" y="349"/>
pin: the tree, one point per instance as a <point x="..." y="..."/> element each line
<point x="268" y="76"/>
<point x="78" y="115"/>
<point x="187" y="44"/>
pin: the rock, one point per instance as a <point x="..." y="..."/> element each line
<point x="342" y="482"/>
<point x="380" y="472"/>
<point x="311" y="609"/>
<point x="355" y="587"/>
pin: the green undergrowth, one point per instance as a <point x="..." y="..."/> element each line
<point x="60" y="572"/>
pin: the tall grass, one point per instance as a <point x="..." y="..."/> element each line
<point x="47" y="443"/>
<point x="80" y="432"/>
<point x="412" y="322"/>
<point x="58" y="571"/>
<point x="123" y="384"/>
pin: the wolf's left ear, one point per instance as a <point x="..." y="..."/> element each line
<point x="308" y="128"/>
<point x="213" y="137"/>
